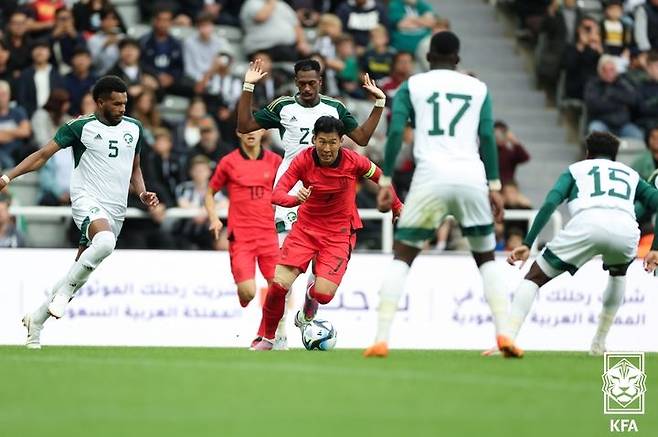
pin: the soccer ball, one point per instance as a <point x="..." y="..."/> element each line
<point x="320" y="335"/>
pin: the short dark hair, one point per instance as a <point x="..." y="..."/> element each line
<point x="307" y="65"/>
<point x="444" y="43"/>
<point x="602" y="144"/>
<point x="129" y="42"/>
<point x="205" y="17"/>
<point x="81" y="50"/>
<point x="109" y="10"/>
<point x="328" y="124"/>
<point x="107" y="85"/>
<point x="42" y="42"/>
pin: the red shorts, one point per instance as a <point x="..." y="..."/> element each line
<point x="245" y="253"/>
<point x="329" y="253"/>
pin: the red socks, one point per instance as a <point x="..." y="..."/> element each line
<point x="273" y="309"/>
<point x="321" y="298"/>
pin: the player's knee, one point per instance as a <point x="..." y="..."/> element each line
<point x="104" y="243"/>
<point x="284" y="276"/>
<point x="537" y="275"/>
<point x="483" y="257"/>
<point x="405" y="253"/>
<point x="246" y="292"/>
<point x="323" y="291"/>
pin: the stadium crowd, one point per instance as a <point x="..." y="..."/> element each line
<point x="53" y="51"/>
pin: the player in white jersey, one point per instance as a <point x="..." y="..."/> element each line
<point x="600" y="193"/>
<point x="295" y="117"/>
<point x="105" y="147"/>
<point x="456" y="174"/>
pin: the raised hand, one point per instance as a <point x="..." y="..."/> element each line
<point x="370" y="86"/>
<point x="521" y="253"/>
<point x="254" y="72"/>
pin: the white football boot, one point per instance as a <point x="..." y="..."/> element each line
<point x="598" y="347"/>
<point x="33" y="333"/>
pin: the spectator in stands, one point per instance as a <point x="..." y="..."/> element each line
<point x="65" y="40"/>
<point x="647" y="162"/>
<point x="268" y="88"/>
<point x="163" y="169"/>
<point x="80" y="80"/>
<point x="647" y="114"/>
<point x="145" y="109"/>
<point x="191" y="128"/>
<point x="9" y="235"/>
<point x="581" y="59"/>
<point x="646" y="26"/>
<point x="55" y="176"/>
<point x="220" y="88"/>
<point x="637" y="72"/>
<point x="616" y="35"/>
<point x="610" y="100"/>
<point x="88" y="16"/>
<point x="36" y="81"/>
<point x="310" y="11"/>
<point x="401" y="70"/>
<point x="210" y="145"/>
<point x="378" y="58"/>
<point x="329" y="85"/>
<point x="515" y="238"/>
<point x="191" y="195"/>
<point x="411" y="21"/>
<point x="136" y="76"/>
<point x="559" y="29"/>
<point x="87" y="104"/>
<point x="163" y="54"/>
<point x="272" y="26"/>
<point x="104" y="44"/>
<point x="15" y="127"/>
<point x="531" y="14"/>
<point x="360" y="17"/>
<point x="440" y="25"/>
<point x="200" y="50"/>
<point x="225" y="12"/>
<point x="18" y="42"/>
<point x="511" y="153"/>
<point x="5" y="72"/>
<point x="348" y="75"/>
<point x="42" y="16"/>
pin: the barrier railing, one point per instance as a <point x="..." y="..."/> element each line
<point x="366" y="214"/>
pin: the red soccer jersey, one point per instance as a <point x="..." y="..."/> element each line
<point x="249" y="183"/>
<point x="331" y="207"/>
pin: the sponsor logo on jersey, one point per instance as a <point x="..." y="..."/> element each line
<point x="128" y="138"/>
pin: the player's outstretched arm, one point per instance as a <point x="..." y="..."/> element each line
<point x="32" y="163"/>
<point x="280" y="194"/>
<point x="387" y="198"/>
<point x="246" y="121"/>
<point x="361" y="135"/>
<point x="138" y="187"/>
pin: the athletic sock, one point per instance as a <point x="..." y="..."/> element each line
<point x="522" y="301"/>
<point x="310" y="308"/>
<point x="272" y="310"/>
<point x="495" y="292"/>
<point x="613" y="296"/>
<point x="389" y="295"/>
<point x="101" y="247"/>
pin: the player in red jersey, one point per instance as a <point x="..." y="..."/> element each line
<point x="324" y="231"/>
<point x="248" y="173"/>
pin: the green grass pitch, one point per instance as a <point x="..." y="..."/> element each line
<point x="120" y="392"/>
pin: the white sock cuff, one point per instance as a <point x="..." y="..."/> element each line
<point x="397" y="271"/>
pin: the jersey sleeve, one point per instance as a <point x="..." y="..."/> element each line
<point x="65" y="136"/>
<point x="488" y="149"/>
<point x="141" y="140"/>
<point x="368" y="170"/>
<point x="347" y="118"/>
<point x="267" y="118"/>
<point x="402" y="112"/>
<point x="220" y="177"/>
<point x="647" y="196"/>
<point x="554" y="198"/>
<point x="280" y="194"/>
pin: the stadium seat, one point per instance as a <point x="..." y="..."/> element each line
<point x="47" y="232"/>
<point x="129" y="11"/>
<point x="138" y="30"/>
<point x="233" y="34"/>
<point x="182" y="32"/>
<point x="173" y="108"/>
<point x="25" y="189"/>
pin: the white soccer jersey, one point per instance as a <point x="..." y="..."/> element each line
<point x="446" y="108"/>
<point x="602" y="183"/>
<point x="103" y="159"/>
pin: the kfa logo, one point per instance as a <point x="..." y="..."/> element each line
<point x="624" y="387"/>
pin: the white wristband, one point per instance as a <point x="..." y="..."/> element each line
<point x="380" y="103"/>
<point x="385" y="181"/>
<point x="5" y="178"/>
<point x="249" y="87"/>
<point x="495" y="185"/>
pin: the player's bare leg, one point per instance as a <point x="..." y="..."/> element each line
<point x="613" y="296"/>
<point x="102" y="245"/>
<point x="389" y="296"/>
<point x="246" y="291"/>
<point x="522" y="301"/>
<point x="274" y="306"/>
